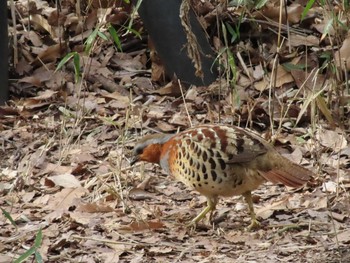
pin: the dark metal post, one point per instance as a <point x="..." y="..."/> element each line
<point x="3" y="53"/>
<point x="162" y="21"/>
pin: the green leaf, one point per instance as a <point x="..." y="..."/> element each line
<point x="328" y="26"/>
<point x="131" y="20"/>
<point x="135" y="32"/>
<point x="38" y="257"/>
<point x="232" y="32"/>
<point x="232" y="64"/>
<point x="224" y="33"/>
<point x="38" y="239"/>
<point x="67" y="113"/>
<point x="300" y="139"/>
<point x="102" y="35"/>
<point x="9" y="217"/>
<point x="25" y="255"/>
<point x="325" y="55"/>
<point x="115" y="37"/>
<point x="77" y="73"/>
<point x="32" y="250"/>
<point x="65" y="60"/>
<point x="260" y="4"/>
<point x="307" y="9"/>
<point x="289" y="66"/>
<point x="90" y="40"/>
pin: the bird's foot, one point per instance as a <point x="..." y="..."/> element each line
<point x="192" y="224"/>
<point x="253" y="225"/>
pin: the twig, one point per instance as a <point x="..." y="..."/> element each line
<point x="108" y="241"/>
<point x="183" y="97"/>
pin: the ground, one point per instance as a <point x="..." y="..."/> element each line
<point x="68" y="193"/>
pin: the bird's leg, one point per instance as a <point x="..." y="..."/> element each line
<point x="214" y="201"/>
<point x="254" y="222"/>
<point x="211" y="204"/>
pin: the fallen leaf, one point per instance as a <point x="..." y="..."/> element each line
<point x="267" y="211"/>
<point x="65" y="180"/>
<point x="139" y="194"/>
<point x="330" y="187"/>
<point x="142" y="225"/>
<point x="299" y="40"/>
<point x="334" y="140"/>
<point x="62" y="200"/>
<point x="343" y="237"/>
<point x="94" y="208"/>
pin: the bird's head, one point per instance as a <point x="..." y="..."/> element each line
<point x="149" y="148"/>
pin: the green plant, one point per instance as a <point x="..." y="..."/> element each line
<point x="32" y="250"/>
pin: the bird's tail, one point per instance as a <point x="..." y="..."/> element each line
<point x="287" y="173"/>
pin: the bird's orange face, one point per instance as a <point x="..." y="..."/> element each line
<point x="150" y="153"/>
<point x="149" y="148"/>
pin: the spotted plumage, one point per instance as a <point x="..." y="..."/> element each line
<point x="219" y="160"/>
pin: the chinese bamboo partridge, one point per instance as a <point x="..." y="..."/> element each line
<point x="219" y="160"/>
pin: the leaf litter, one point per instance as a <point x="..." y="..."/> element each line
<point x="65" y="147"/>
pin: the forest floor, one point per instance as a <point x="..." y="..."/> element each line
<point x="68" y="193"/>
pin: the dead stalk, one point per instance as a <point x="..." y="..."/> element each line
<point x="184" y="99"/>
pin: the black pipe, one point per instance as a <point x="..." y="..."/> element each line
<point x="162" y="21"/>
<point x="4" y="89"/>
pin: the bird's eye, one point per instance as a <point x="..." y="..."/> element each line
<point x="138" y="151"/>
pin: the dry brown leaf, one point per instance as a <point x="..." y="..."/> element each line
<point x="46" y="142"/>
<point x="324" y="24"/>
<point x="170" y="89"/>
<point x="40" y="21"/>
<point x="319" y="202"/>
<point x="165" y="126"/>
<point x="139" y="194"/>
<point x="161" y="249"/>
<point x="51" y="53"/>
<point x="65" y="180"/>
<point x="94" y="208"/>
<point x="32" y="80"/>
<point x="45" y="95"/>
<point x="273" y="12"/>
<point x="53" y="168"/>
<point x="258" y="72"/>
<point x="84" y="219"/>
<point x="23" y="67"/>
<point x="338" y="217"/>
<point x="155" y="112"/>
<point x="261" y="85"/>
<point x="299" y="40"/>
<point x="283" y="77"/>
<point x="330" y="187"/>
<point x="267" y="211"/>
<point x="35" y="39"/>
<point x="334" y="140"/>
<point x="62" y="200"/>
<point x="143" y="225"/>
<point x="343" y="237"/>
<point x="180" y="119"/>
<point x="307" y="80"/>
<point x="342" y="57"/>
<point x="294" y="12"/>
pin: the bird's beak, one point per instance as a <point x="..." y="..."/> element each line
<point x="134" y="160"/>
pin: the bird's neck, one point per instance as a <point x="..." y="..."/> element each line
<point x="152" y="153"/>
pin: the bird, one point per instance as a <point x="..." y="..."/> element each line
<point x="220" y="161"/>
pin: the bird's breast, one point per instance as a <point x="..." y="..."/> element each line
<point x="201" y="164"/>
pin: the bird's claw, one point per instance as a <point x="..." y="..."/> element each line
<point x="192" y="225"/>
<point x="253" y="225"/>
